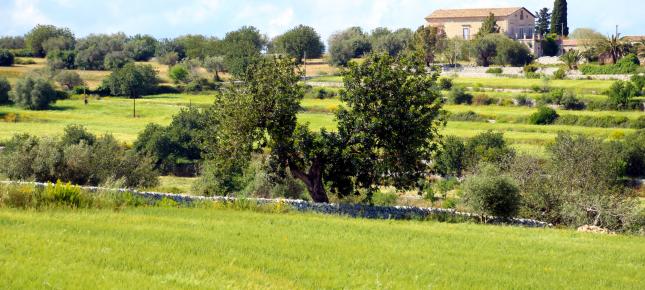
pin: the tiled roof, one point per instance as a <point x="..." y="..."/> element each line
<point x="468" y="13"/>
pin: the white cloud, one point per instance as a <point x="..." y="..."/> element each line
<point x="25" y="13"/>
<point x="198" y="12"/>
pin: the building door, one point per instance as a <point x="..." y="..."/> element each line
<point x="467" y="33"/>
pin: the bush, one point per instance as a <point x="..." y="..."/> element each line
<point x="5" y="88"/>
<point x="69" y="79"/>
<point x="179" y="74"/>
<point x="116" y="59"/>
<point x="634" y="152"/>
<point x="459" y="96"/>
<point x="24" y="61"/>
<point x="494" y="70"/>
<point x="570" y="102"/>
<point x="34" y="93"/>
<point x="544" y="116"/>
<point x="489" y="147"/>
<point x="483" y="100"/>
<point x="322" y="93"/>
<point x="61" y="59"/>
<point x="609" y="69"/>
<point x="6" y="58"/>
<point x="620" y="94"/>
<point x="445" y="84"/>
<point x="491" y="193"/>
<point x="75" y="158"/>
<point x="450" y="161"/>
<point x="560" y="74"/>
<point x="523" y="100"/>
<point x="593" y="121"/>
<point x="639" y="82"/>
<point x="469" y="116"/>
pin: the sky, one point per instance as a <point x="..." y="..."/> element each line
<point x="171" y="18"/>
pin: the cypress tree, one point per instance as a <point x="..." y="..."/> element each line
<point x="488" y="26"/>
<point x="559" y="23"/>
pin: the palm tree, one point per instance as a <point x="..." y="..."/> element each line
<point x="614" y="46"/>
<point x="571" y="58"/>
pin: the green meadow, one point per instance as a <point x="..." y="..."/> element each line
<point x="215" y="248"/>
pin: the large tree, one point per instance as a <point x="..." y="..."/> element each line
<point x="299" y="42"/>
<point x="35" y="38"/>
<point x="241" y="47"/>
<point x="428" y="41"/>
<point x="132" y="81"/>
<point x="392" y="43"/>
<point x="489" y="25"/>
<point x="348" y="44"/>
<point x="543" y="22"/>
<point x="559" y="22"/>
<point x="385" y="136"/>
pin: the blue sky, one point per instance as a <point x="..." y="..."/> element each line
<point x="170" y="18"/>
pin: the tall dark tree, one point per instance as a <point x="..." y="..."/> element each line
<point x="488" y="26"/>
<point x="543" y="22"/>
<point x="559" y="22"/>
<point x="299" y="42"/>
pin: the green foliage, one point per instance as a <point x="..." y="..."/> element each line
<point x="78" y="157"/>
<point x="620" y="93"/>
<point x="383" y="40"/>
<point x="543" y="22"/>
<point x="550" y="46"/>
<point x="92" y="50"/>
<point x="490" y="192"/>
<point x="241" y="47"/>
<point x="559" y="18"/>
<point x="634" y="152"/>
<point x="5" y="88"/>
<point x="299" y="42"/>
<point x="61" y="59"/>
<point x="33" y="93"/>
<point x="639" y="82"/>
<point x="560" y="74"/>
<point x="199" y="46"/>
<point x="63" y="194"/>
<point x="12" y="42"/>
<point x="348" y="44"/>
<point x="132" y="81"/>
<point x="172" y="47"/>
<point x="450" y="160"/>
<point x="141" y="47"/>
<point x="428" y="42"/>
<point x="169" y="59"/>
<point x="494" y="70"/>
<point x="214" y="64"/>
<point x="571" y="58"/>
<point x="544" y="116"/>
<point x="179" y="74"/>
<point x="36" y="38"/>
<point x="6" y="58"/>
<point x="489" y="26"/>
<point x="510" y="52"/>
<point x="587" y="172"/>
<point x="116" y="59"/>
<point x="458" y="96"/>
<point x="69" y="79"/>
<point x="488" y="147"/>
<point x="485" y="49"/>
<point x="175" y="148"/>
<point x="608" y="69"/>
<point x="445" y="84"/>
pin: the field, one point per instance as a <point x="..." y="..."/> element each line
<point x="219" y="248"/>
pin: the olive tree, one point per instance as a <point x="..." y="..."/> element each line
<point x="241" y="47"/>
<point x="35" y="38"/>
<point x="5" y="88"/>
<point x="299" y="42"/>
<point x="132" y="81"/>
<point x="34" y="93"/>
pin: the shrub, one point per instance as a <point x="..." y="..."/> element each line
<point x="609" y="69"/>
<point x="5" y="88"/>
<point x="634" y="152"/>
<point x="620" y="94"/>
<point x="523" y="100"/>
<point x="483" y="100"/>
<point x="450" y="161"/>
<point x="639" y="82"/>
<point x="560" y="74"/>
<point x="593" y="121"/>
<point x="494" y="70"/>
<point x="24" y="61"/>
<point x="491" y="193"/>
<point x="116" y="59"/>
<point x="489" y="147"/>
<point x="179" y="74"/>
<point x="69" y="79"/>
<point x="63" y="194"/>
<point x="469" y="116"/>
<point x="34" y="93"/>
<point x="6" y="58"/>
<point x="61" y="59"/>
<point x="628" y="60"/>
<point x="530" y="68"/>
<point x="445" y="84"/>
<point x="570" y="102"/>
<point x="459" y="96"/>
<point x="544" y="116"/>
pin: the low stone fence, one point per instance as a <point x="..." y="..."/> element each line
<point x="351" y="210"/>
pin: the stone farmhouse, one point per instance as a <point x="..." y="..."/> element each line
<point x="516" y="22"/>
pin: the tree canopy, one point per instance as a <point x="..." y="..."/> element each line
<point x="299" y="42"/>
<point x="559" y="18"/>
<point x="489" y="25"/>
<point x="241" y="48"/>
<point x="543" y="22"/>
<point x="348" y="44"/>
<point x="35" y="38"/>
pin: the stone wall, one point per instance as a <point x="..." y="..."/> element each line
<point x="351" y="210"/>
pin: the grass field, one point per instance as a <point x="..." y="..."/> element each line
<point x="218" y="248"/>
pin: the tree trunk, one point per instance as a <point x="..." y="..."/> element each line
<point x="313" y="181"/>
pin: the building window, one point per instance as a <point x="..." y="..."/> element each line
<point x="522" y="15"/>
<point x="467" y="33"/>
<point x="521" y="32"/>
